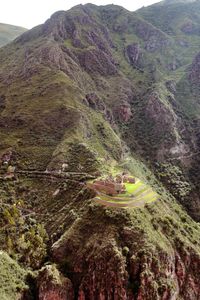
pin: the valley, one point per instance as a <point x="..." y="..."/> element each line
<point x="99" y="155"/>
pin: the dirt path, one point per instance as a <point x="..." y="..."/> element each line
<point x="57" y="175"/>
<point x="185" y="156"/>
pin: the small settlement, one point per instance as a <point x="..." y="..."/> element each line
<point x="112" y="185"/>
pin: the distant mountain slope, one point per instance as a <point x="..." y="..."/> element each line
<point x="178" y="19"/>
<point x="9" y="33"/>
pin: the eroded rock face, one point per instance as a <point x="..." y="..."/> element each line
<point x="159" y="113"/>
<point x="108" y="277"/>
<point x="174" y="65"/>
<point x="2" y="103"/>
<point x="53" y="286"/>
<point x="99" y="272"/>
<point x="171" y="86"/>
<point x="194" y="75"/>
<point x="190" y="28"/>
<point x="134" y="54"/>
<point x="96" y="61"/>
<point x="154" y="39"/>
<point x="179" y="272"/>
<point x="165" y="124"/>
<point x="106" y="269"/>
<point x="124" y="112"/>
<point x="93" y="101"/>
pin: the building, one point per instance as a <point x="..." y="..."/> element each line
<point x="128" y="179"/>
<point x="131" y="180"/>
<point x="108" y="187"/>
<point x="10" y="173"/>
<point x="112" y="186"/>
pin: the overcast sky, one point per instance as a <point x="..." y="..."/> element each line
<point x="29" y="13"/>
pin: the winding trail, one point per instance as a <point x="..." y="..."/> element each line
<point x="185" y="156"/>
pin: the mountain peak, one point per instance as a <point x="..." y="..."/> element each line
<point x="179" y="1"/>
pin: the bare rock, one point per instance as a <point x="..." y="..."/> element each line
<point x="194" y="75"/>
<point x="159" y="113"/>
<point x="97" y="61"/>
<point x="154" y="39"/>
<point x="190" y="28"/>
<point x="124" y="112"/>
<point x="76" y="40"/>
<point x="2" y="102"/>
<point x="171" y="86"/>
<point x="95" y="102"/>
<point x="102" y="269"/>
<point x="134" y="54"/>
<point x="100" y="273"/>
<point x="183" y="43"/>
<point x="53" y="286"/>
<point x="174" y="65"/>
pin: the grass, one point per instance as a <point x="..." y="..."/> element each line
<point x="51" y="97"/>
<point x="12" y="278"/>
<point x="9" y="33"/>
<point x="136" y="195"/>
<point x="130" y="188"/>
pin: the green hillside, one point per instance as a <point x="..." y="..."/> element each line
<point x="9" y="33"/>
<point x="95" y="91"/>
<point x="137" y="195"/>
<point x="12" y="278"/>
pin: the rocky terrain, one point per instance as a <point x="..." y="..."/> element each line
<point x="95" y="90"/>
<point x="9" y="32"/>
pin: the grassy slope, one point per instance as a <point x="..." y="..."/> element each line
<point x="43" y="137"/>
<point x="12" y="278"/>
<point x="171" y="18"/>
<point x="51" y="110"/>
<point x="35" y="104"/>
<point x="9" y="33"/>
<point x="137" y="194"/>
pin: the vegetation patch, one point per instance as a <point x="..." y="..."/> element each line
<point x="12" y="278"/>
<point x="130" y="194"/>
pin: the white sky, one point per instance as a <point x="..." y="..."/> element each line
<point x="29" y="13"/>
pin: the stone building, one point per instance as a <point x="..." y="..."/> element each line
<point x="107" y="187"/>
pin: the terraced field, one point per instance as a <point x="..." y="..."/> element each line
<point x="137" y="195"/>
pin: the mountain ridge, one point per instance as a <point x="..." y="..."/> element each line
<point x="100" y="91"/>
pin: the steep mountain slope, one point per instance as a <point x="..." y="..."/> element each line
<point x="71" y="93"/>
<point x="12" y="278"/>
<point x="183" y="25"/>
<point x="101" y="89"/>
<point x="9" y="33"/>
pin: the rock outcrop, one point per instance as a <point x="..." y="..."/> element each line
<point x="194" y="75"/>
<point x="110" y="263"/>
<point x="52" y="285"/>
<point x="134" y="54"/>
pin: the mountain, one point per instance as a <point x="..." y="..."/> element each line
<point x="178" y="1"/>
<point x="9" y="33"/>
<point x="92" y="93"/>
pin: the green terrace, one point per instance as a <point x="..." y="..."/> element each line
<point x="136" y="195"/>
